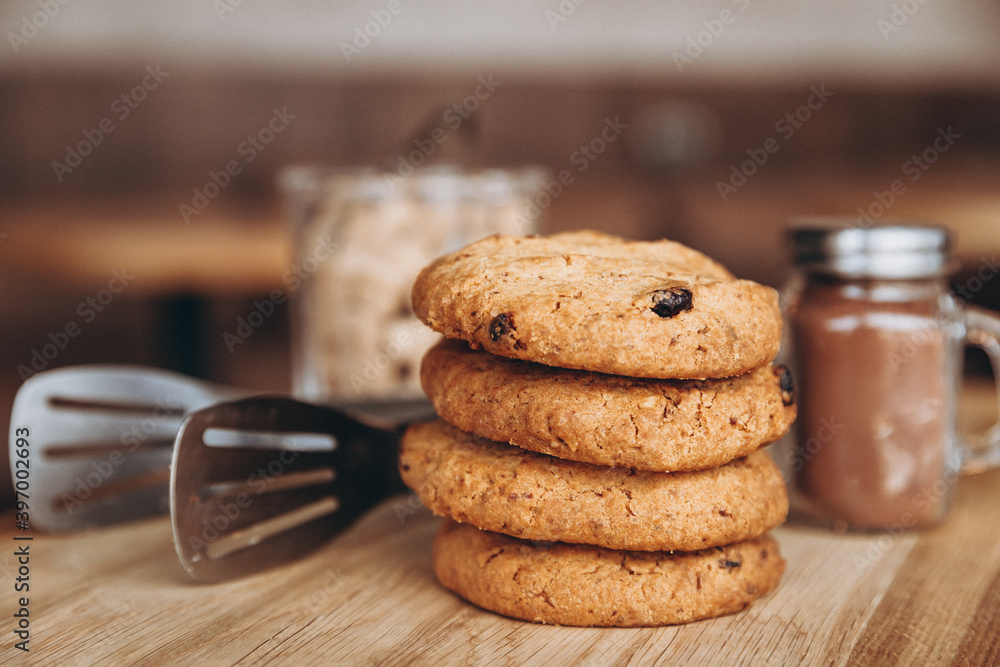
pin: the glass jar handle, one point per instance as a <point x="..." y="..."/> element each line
<point x="982" y="329"/>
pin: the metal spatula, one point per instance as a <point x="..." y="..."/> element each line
<point x="101" y="440"/>
<point x="259" y="481"/>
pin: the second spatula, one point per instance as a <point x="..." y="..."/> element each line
<point x="259" y="481"/>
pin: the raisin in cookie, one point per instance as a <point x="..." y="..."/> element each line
<point x="609" y="420"/>
<point x="596" y="302"/>
<point x="510" y="490"/>
<point x="573" y="584"/>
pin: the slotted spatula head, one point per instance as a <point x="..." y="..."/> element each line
<point x="260" y="481"/>
<point x="101" y="438"/>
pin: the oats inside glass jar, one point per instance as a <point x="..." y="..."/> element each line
<point x="361" y="238"/>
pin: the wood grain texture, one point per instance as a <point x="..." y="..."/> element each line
<point x="119" y="596"/>
<point x="225" y="251"/>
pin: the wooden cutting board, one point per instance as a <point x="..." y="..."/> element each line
<point x="119" y="596"/>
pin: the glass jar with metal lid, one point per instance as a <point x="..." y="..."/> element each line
<point x="875" y="341"/>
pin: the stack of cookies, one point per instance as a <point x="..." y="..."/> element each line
<point x="603" y="406"/>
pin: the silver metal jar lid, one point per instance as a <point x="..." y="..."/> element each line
<point x="897" y="251"/>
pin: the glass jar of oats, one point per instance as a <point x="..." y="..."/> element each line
<point x="361" y="238"/>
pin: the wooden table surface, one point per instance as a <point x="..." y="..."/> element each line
<point x="119" y="596"/>
<point x="232" y="250"/>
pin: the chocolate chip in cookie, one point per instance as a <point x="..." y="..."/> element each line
<point x="787" y="384"/>
<point x="500" y="326"/>
<point x="671" y="301"/>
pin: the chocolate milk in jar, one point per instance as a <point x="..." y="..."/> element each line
<point x="875" y="340"/>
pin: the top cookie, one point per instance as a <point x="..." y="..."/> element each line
<point x="597" y="302"/>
